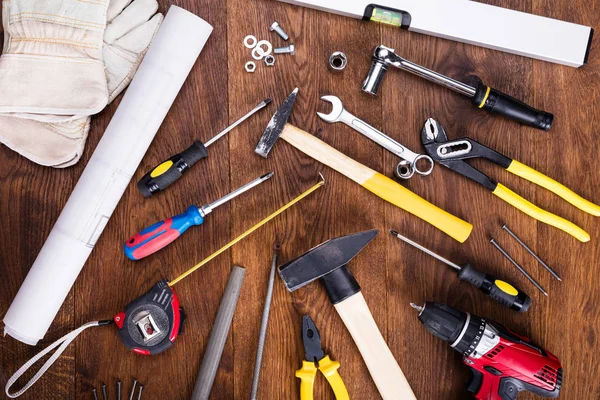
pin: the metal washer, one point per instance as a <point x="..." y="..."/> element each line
<point x="250" y="41"/>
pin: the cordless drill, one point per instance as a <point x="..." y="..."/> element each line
<point x="502" y="362"/>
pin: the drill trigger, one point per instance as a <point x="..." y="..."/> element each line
<point x="475" y="382"/>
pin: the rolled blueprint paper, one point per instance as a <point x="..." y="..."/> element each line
<point x="157" y="82"/>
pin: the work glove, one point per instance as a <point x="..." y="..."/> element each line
<point x="58" y="140"/>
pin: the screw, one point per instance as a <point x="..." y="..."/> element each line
<point x="95" y="394"/>
<point x="104" y="391"/>
<point x="140" y="392"/>
<point x="505" y="254"/>
<point x="118" y="390"/>
<point x="132" y="389"/>
<point x="285" y="50"/>
<point x="511" y="233"/>
<point x="275" y="27"/>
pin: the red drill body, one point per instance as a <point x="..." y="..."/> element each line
<point x="502" y="362"/>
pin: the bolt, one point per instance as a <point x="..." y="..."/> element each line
<point x="286" y="50"/>
<point x="275" y="27"/>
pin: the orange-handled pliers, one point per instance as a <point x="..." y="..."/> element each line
<point x="317" y="360"/>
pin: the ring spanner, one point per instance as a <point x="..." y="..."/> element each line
<point x="405" y="168"/>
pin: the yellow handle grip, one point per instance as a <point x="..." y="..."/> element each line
<point x="558" y="188"/>
<point x="541" y="215"/>
<point x="399" y="196"/>
<point x="307" y="379"/>
<point x="329" y="369"/>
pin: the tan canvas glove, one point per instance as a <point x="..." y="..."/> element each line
<point x="60" y="144"/>
<point x="53" y="50"/>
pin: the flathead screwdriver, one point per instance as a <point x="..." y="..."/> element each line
<point x="160" y="234"/>
<point x="499" y="290"/>
<point x="168" y="171"/>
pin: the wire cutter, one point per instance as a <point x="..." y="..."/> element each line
<point x="316" y="359"/>
<point x="453" y="153"/>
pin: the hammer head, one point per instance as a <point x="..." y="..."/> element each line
<point x="379" y="67"/>
<point x="275" y="126"/>
<point x="323" y="259"/>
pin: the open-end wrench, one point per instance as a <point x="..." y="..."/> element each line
<point x="405" y="168"/>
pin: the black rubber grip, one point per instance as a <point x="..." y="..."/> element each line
<point x="500" y="291"/>
<point x="340" y="284"/>
<point x="168" y="171"/>
<point x="497" y="102"/>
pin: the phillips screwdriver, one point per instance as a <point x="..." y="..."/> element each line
<point x="168" y="171"/>
<point x="501" y="291"/>
<point x="159" y="235"/>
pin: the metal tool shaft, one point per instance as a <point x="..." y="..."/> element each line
<point x="505" y="254"/>
<point x="426" y="250"/>
<point x="511" y="233"/>
<point x="435" y="77"/>
<point x="236" y="123"/>
<point x="208" y="208"/>
<point x="263" y="327"/>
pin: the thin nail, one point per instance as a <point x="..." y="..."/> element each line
<point x="95" y="394"/>
<point x="511" y="233"/>
<point x="133" y="389"/>
<point x="140" y="392"/>
<point x="118" y="390"/>
<point x="505" y="254"/>
<point x="104" y="392"/>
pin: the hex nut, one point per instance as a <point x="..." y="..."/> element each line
<point x="338" y="61"/>
<point x="270" y="60"/>
<point x="250" y="66"/>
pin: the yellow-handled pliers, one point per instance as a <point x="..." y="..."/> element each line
<point x="317" y="360"/>
<point x="452" y="153"/>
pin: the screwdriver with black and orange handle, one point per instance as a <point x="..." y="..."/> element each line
<point x="168" y="171"/>
<point x="159" y="235"/>
<point x="499" y="290"/>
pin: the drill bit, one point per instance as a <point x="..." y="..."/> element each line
<point x="417" y="307"/>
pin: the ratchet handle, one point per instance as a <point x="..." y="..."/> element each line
<point x="494" y="101"/>
<point x="161" y="234"/>
<point x="500" y="291"/>
<point x="168" y="171"/>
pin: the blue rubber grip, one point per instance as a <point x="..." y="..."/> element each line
<point x="159" y="235"/>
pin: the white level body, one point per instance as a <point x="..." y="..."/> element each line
<point x="106" y="176"/>
<point x="475" y="23"/>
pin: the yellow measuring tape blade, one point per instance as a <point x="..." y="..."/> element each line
<point x="248" y="232"/>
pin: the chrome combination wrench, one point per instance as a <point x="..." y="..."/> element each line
<point x="405" y="168"/>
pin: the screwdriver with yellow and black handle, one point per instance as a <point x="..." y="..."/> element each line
<point x="168" y="171"/>
<point x="499" y="290"/>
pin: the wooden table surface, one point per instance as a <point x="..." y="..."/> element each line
<point x="391" y="273"/>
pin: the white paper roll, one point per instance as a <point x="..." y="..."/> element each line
<point x="157" y="82"/>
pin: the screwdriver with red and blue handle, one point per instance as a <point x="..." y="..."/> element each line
<point x="159" y="235"/>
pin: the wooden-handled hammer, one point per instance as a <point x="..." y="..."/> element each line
<point x="371" y="180"/>
<point x="327" y="262"/>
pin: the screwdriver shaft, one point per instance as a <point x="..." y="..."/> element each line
<point x="209" y="207"/>
<point x="426" y="250"/>
<point x="505" y="254"/>
<point x="236" y="123"/>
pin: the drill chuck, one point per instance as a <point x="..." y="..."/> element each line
<point x="462" y="330"/>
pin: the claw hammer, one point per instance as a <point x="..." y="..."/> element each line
<point x="371" y="180"/>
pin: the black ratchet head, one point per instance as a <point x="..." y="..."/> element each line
<point x="311" y="339"/>
<point x="433" y="132"/>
